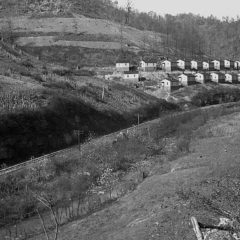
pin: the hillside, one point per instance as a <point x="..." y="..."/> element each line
<point x="79" y="40"/>
<point x="181" y="36"/>
<point x="42" y="106"/>
<point x="201" y="184"/>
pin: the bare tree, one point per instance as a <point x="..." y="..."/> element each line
<point x="129" y="6"/>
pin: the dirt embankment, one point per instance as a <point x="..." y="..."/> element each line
<point x="161" y="207"/>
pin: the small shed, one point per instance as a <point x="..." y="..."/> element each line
<point x="170" y="84"/>
<point x="218" y="77"/>
<point x="231" y="78"/>
<point x="194" y="65"/>
<point x="166" y="66"/>
<point x="205" y="65"/>
<point x="131" y="76"/>
<point x="228" y="78"/>
<point x="181" y="64"/>
<point x="187" y="79"/>
<point x="199" y="77"/>
<point x="227" y="64"/>
<point x="215" y="64"/>
<point x="236" y="65"/>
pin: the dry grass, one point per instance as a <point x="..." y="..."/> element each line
<point x="119" y="156"/>
<point x="15" y="101"/>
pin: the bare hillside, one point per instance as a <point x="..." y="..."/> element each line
<point x="86" y="37"/>
<point x="162" y="205"/>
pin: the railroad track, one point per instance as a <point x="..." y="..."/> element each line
<point x="20" y="166"/>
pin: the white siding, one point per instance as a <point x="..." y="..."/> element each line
<point x="205" y="65"/>
<point x="199" y="78"/>
<point x="228" y="78"/>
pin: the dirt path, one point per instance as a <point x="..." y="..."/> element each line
<point x="154" y="210"/>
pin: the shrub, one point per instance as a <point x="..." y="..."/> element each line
<point x="63" y="72"/>
<point x="59" y="166"/>
<point x="83" y="72"/>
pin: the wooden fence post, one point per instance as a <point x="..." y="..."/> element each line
<point x="196" y="228"/>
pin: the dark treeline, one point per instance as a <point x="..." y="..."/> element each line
<point x="186" y="35"/>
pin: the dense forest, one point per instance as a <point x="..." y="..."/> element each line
<point x="188" y="35"/>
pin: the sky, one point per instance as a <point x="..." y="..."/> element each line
<point x="218" y="8"/>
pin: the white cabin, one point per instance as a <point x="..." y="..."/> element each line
<point x="131" y="76"/>
<point x="181" y="64"/>
<point x="170" y="84"/>
<point x="228" y="77"/>
<point x="199" y="77"/>
<point x="166" y="66"/>
<point x="148" y="66"/>
<point x="186" y="79"/>
<point x="236" y="65"/>
<point x="194" y="65"/>
<point x="205" y="65"/>
<point x="227" y="64"/>
<point x="216" y="64"/>
<point x="217" y="77"/>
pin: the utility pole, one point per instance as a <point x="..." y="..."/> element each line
<point x="79" y="133"/>
<point x="103" y="92"/>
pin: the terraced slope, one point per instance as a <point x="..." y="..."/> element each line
<point x="79" y="40"/>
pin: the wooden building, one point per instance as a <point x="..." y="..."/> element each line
<point x="148" y="64"/>
<point x="215" y="65"/>
<point x="217" y="77"/>
<point x="166" y="66"/>
<point x="170" y="84"/>
<point x="194" y="65"/>
<point x="236" y="65"/>
<point x="181" y="64"/>
<point x="205" y="66"/>
<point x="199" y="77"/>
<point x="231" y="78"/>
<point x="122" y="66"/>
<point x="187" y="79"/>
<point x="131" y="76"/>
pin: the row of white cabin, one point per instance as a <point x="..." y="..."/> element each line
<point x="143" y="66"/>
<point x="184" y="80"/>
<point x="169" y="66"/>
<point x="217" y="65"/>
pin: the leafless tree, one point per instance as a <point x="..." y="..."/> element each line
<point x="129" y="6"/>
